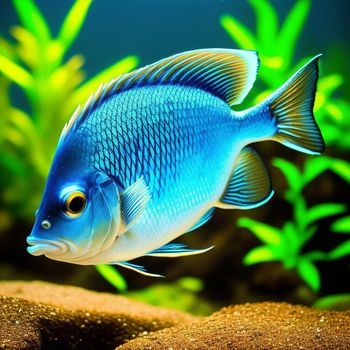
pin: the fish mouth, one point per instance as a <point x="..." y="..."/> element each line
<point x="44" y="246"/>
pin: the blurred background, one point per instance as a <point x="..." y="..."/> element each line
<point x="295" y="248"/>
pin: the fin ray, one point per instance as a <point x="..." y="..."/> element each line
<point x="174" y="250"/>
<point x="292" y="106"/>
<point x="133" y="202"/>
<point x="137" y="268"/>
<point x="250" y="184"/>
<point x="226" y="73"/>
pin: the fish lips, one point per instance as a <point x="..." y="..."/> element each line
<point x="42" y="246"/>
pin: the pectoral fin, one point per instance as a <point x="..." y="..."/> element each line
<point x="250" y="184"/>
<point x="133" y="202"/>
<point x="174" y="250"/>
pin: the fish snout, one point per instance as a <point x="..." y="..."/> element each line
<point x="43" y="246"/>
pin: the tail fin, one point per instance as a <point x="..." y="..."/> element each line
<point x="292" y="106"/>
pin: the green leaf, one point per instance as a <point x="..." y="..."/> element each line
<point x="342" y="225"/>
<point x="174" y="295"/>
<point x="309" y="273"/>
<point x="335" y="111"/>
<point x="291" y="173"/>
<point x="314" y="167"/>
<point x="341" y="168"/>
<point x="323" y="210"/>
<point x="68" y="76"/>
<point x="336" y="302"/>
<point x="15" y="73"/>
<point x="32" y="19"/>
<point x="331" y="134"/>
<point x="299" y="208"/>
<point x="267" y="234"/>
<point x="7" y="49"/>
<point x="238" y="32"/>
<point x="73" y="23"/>
<point x="191" y="284"/>
<point x="316" y="255"/>
<point x="28" y="48"/>
<point x="340" y="251"/>
<point x="111" y="275"/>
<point x="121" y="67"/>
<point x="291" y="30"/>
<point x="260" y="254"/>
<point x="23" y="122"/>
<point x="267" y="23"/>
<point x="291" y="238"/>
<point x="329" y="83"/>
<point x="308" y="234"/>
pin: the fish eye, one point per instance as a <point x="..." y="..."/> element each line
<point x="75" y="204"/>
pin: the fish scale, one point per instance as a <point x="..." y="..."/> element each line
<point x="179" y="140"/>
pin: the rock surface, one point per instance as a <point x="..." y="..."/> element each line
<point x="39" y="315"/>
<point x="260" y="326"/>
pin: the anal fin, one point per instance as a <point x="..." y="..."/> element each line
<point x="174" y="250"/>
<point x="249" y="186"/>
<point x="137" y="268"/>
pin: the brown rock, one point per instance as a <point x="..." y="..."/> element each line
<point x="269" y="326"/>
<point x="39" y="315"/>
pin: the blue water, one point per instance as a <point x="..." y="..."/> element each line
<point x="154" y="29"/>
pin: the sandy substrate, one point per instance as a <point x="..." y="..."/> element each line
<point x="46" y="316"/>
<point x="267" y="326"/>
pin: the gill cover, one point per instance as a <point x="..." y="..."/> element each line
<point x="104" y="218"/>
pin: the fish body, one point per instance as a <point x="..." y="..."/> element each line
<point x="179" y="140"/>
<point x="153" y="152"/>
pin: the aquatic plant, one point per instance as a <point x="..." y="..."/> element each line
<point x="286" y="244"/>
<point x="53" y="86"/>
<point x="36" y="66"/>
<point x="333" y="113"/>
<point x="182" y="294"/>
<point x="113" y="277"/>
<point x="276" y="44"/>
<point x="340" y="302"/>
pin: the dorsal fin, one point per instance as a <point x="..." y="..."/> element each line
<point x="228" y="74"/>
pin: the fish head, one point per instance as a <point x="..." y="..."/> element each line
<point x="78" y="217"/>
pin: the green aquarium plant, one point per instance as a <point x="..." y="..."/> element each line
<point x="286" y="244"/>
<point x="36" y="65"/>
<point x="276" y="42"/>
<point x="339" y="302"/>
<point x="113" y="277"/>
<point x="182" y="294"/>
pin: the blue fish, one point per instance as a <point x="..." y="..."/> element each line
<point x="152" y="153"/>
